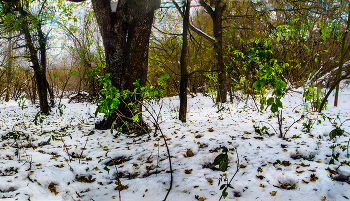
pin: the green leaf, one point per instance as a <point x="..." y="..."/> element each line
<point x="223" y="165"/>
<point x="279" y="92"/>
<point x="224" y="194"/>
<point x="222" y="186"/>
<point x="220" y="158"/>
<point x="270" y="101"/>
<point x="279" y="103"/>
<point x="107" y="169"/>
<point x="135" y="118"/>
<point x="307" y="47"/>
<point x="336" y="132"/>
<point x="257" y="85"/>
<point x="72" y="73"/>
<point x="274" y="108"/>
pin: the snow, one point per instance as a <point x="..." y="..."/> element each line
<point x="73" y="165"/>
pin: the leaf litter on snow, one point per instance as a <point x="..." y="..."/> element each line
<point x="81" y="163"/>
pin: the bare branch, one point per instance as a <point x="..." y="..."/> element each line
<point x="165" y="32"/>
<point x="193" y="28"/>
<point x="208" y="8"/>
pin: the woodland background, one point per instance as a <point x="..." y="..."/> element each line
<point x="307" y="39"/>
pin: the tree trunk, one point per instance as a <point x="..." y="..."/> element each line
<point x="9" y="69"/>
<point x="216" y="15"/>
<point x="39" y="69"/>
<point x="183" y="63"/>
<point x="125" y="35"/>
<point x="219" y="53"/>
<point x="41" y="84"/>
<point x="342" y="59"/>
<point x="43" y="62"/>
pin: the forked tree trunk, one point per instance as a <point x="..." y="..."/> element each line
<point x="39" y="68"/>
<point x="125" y="35"/>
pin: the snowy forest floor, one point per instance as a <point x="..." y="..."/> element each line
<point x="81" y="163"/>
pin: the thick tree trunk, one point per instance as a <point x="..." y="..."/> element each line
<point x="183" y="63"/>
<point x="41" y="84"/>
<point x="125" y="35"/>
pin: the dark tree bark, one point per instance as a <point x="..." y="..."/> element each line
<point x="216" y="14"/>
<point x="9" y="69"/>
<point x="125" y="35"/>
<point x="343" y="53"/>
<point x="183" y="62"/>
<point x="38" y="66"/>
<point x="335" y="84"/>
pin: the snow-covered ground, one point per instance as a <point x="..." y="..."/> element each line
<point x="76" y="165"/>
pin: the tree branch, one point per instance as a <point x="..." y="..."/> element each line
<point x="165" y="32"/>
<point x="193" y="28"/>
<point x="207" y="8"/>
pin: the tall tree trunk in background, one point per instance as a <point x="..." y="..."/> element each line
<point x="39" y="69"/>
<point x="183" y="62"/>
<point x="9" y="68"/>
<point x="219" y="52"/>
<point x="125" y="35"/>
<point x="342" y="59"/>
<point x="43" y="62"/>
<point x="216" y="14"/>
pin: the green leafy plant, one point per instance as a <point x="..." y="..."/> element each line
<point x="112" y="98"/>
<point x="224" y="185"/>
<point x="39" y="119"/>
<point x="268" y="78"/>
<point x="213" y="82"/>
<point x="335" y="156"/>
<point x="336" y="132"/>
<point x="224" y="182"/>
<point x="314" y="96"/>
<point x="307" y="125"/>
<point x="261" y="131"/>
<point x="222" y="160"/>
<point x="21" y="102"/>
<point x="60" y="109"/>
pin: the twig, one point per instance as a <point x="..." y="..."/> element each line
<point x="156" y="123"/>
<point x="268" y="124"/>
<point x="118" y="179"/>
<point x="70" y="167"/>
<point x="293" y="124"/>
<point x="83" y="150"/>
<point x="347" y="152"/>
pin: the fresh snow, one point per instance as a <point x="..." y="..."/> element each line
<point x="30" y="169"/>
